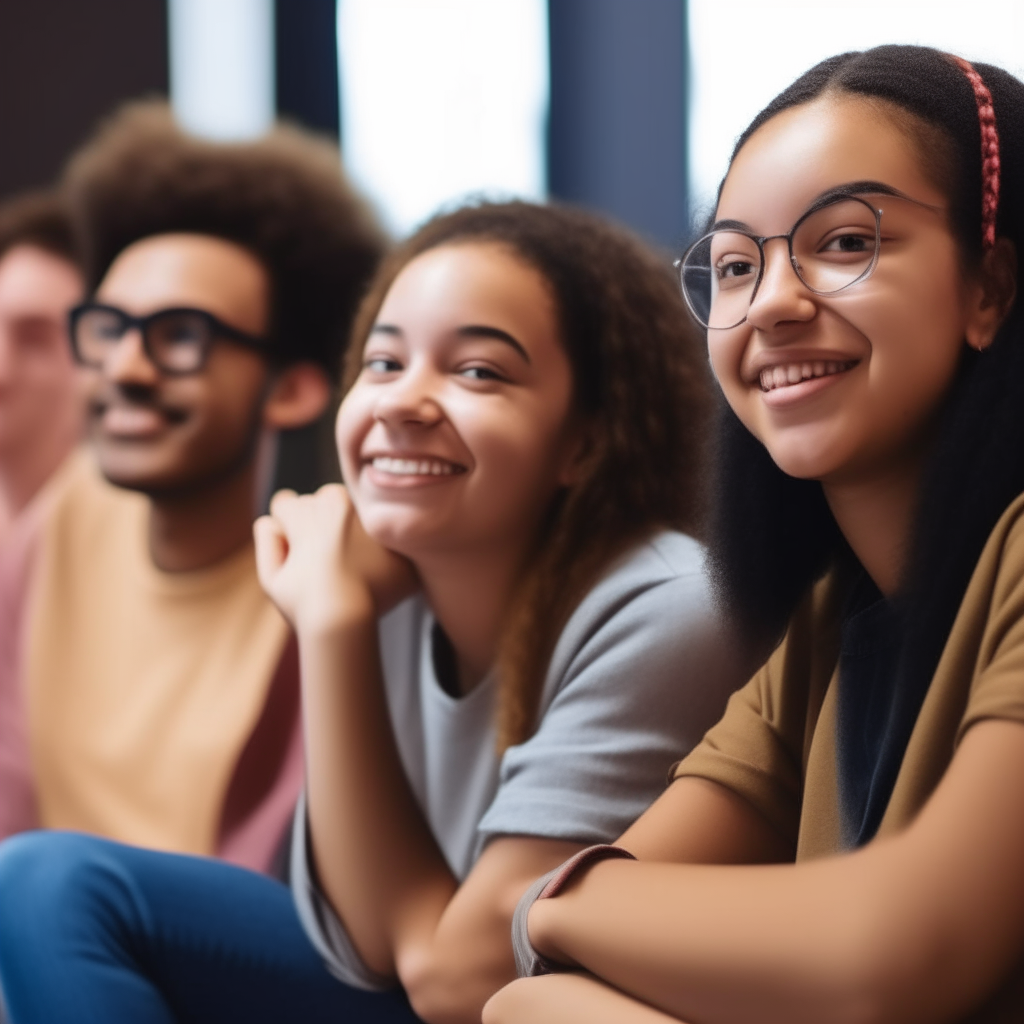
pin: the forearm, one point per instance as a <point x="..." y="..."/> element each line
<point x="834" y="941"/>
<point x="375" y="857"/>
<point x="568" y="999"/>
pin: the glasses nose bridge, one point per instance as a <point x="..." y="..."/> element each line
<point x="762" y="241"/>
<point x="120" y="357"/>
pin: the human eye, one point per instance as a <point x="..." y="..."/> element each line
<point x="381" y="364"/>
<point x="35" y="333"/>
<point x="849" y="242"/>
<point x="734" y="266"/>
<point x="477" y="372"/>
<point x="178" y="329"/>
<point x="734" y="270"/>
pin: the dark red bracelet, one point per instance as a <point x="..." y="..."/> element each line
<point x="529" y="963"/>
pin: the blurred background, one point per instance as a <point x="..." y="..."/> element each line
<point x="629" y="107"/>
<point x="626" y="106"/>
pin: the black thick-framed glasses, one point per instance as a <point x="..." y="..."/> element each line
<point x="834" y="245"/>
<point x="177" y="340"/>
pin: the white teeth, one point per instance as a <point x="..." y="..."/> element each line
<point x="773" y="377"/>
<point x="412" y="467"/>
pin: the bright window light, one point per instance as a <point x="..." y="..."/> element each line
<point x="747" y="51"/>
<point x="442" y="98"/>
<point x="222" y="66"/>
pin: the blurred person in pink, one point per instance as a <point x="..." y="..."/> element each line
<point x="40" y="423"/>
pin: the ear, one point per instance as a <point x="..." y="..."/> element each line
<point x="298" y="395"/>
<point x="996" y="291"/>
<point x="580" y="445"/>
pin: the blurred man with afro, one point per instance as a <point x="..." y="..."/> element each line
<point x="161" y="685"/>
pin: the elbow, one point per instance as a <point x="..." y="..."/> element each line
<point x="440" y="993"/>
<point x="429" y="993"/>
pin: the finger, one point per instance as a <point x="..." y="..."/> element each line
<point x="271" y="549"/>
<point x="338" y="489"/>
<point x="281" y="499"/>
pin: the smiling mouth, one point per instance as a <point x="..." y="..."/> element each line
<point x="415" y="467"/>
<point x="131" y="420"/>
<point x="787" y="374"/>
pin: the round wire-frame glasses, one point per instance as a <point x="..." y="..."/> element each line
<point x="834" y="245"/>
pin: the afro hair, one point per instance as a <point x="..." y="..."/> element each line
<point x="283" y="197"/>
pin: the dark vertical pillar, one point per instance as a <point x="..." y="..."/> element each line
<point x="306" y="59"/>
<point x="307" y="63"/>
<point x="617" y="126"/>
<point x="64" y="64"/>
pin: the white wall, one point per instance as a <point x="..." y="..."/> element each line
<point x="222" y="66"/>
<point x="440" y="98"/>
<point x="744" y="52"/>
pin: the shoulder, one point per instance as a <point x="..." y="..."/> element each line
<point x="668" y="564"/>
<point x="650" y="614"/>
<point x="1006" y="540"/>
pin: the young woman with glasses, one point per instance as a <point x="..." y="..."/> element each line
<point x="505" y="640"/>
<point x="846" y="845"/>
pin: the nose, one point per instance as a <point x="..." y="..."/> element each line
<point x="781" y="296"/>
<point x="128" y="363"/>
<point x="410" y="399"/>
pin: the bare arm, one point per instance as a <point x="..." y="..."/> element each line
<point x="920" y="927"/>
<point x="375" y="856"/>
<point x="697" y="821"/>
<point x="379" y="864"/>
<point x="568" y="999"/>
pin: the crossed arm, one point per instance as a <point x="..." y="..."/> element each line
<point x="916" y="928"/>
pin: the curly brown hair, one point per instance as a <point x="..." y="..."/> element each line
<point x="40" y="218"/>
<point x="283" y="197"/>
<point x="641" y="380"/>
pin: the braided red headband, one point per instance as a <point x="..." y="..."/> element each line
<point x="989" y="152"/>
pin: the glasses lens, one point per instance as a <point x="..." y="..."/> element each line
<point x="719" y="275"/>
<point x="178" y="341"/>
<point x="836" y="245"/>
<point x="97" y="331"/>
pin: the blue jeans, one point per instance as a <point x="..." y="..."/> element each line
<point x="91" y="930"/>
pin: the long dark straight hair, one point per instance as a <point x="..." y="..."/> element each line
<point x="772" y="535"/>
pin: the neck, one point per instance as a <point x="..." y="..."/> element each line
<point x="469" y="595"/>
<point x="199" y="528"/>
<point x="28" y="465"/>
<point x="877" y="518"/>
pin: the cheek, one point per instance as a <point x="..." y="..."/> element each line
<point x="350" y="426"/>
<point x="725" y="353"/>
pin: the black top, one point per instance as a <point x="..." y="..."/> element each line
<point x="875" y="715"/>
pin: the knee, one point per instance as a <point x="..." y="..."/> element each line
<point x="44" y="874"/>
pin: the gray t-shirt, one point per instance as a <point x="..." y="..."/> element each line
<point x="642" y="669"/>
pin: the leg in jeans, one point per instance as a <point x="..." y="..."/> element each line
<point x="91" y="930"/>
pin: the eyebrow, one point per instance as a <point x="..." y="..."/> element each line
<point x="496" y="333"/>
<point x="845" y="191"/>
<point x="468" y="331"/>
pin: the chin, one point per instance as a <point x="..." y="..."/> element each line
<point x="406" y="535"/>
<point x="803" y="463"/>
<point x="139" y="474"/>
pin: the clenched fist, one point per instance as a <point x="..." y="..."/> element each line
<point x="320" y="567"/>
